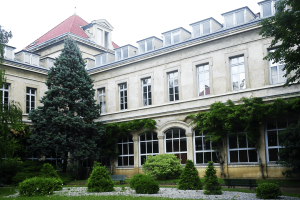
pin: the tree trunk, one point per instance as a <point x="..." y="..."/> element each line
<point x="64" y="170"/>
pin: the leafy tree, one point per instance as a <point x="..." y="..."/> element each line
<point x="290" y="154"/>
<point x="284" y="27"/>
<point x="189" y="178"/>
<point x="212" y="185"/>
<point x="4" y="37"/>
<point x="65" y="121"/>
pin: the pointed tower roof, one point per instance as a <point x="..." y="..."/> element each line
<point x="71" y="25"/>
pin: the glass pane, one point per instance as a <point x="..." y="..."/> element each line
<point x="125" y="52"/>
<point x="169" y="134"/>
<point x="149" y="45"/>
<point x="183" y="145"/>
<point x="234" y="156"/>
<point x="235" y="81"/>
<point x="148" y="136"/>
<point x="171" y="98"/>
<point x="119" y="55"/>
<point x="206" y="28"/>
<point x="171" y="84"/>
<point x="274" y="74"/>
<point x="242" y="81"/>
<point x="176" y="97"/>
<point x="142" y="137"/>
<point x="175" y="133"/>
<point x="129" y="138"/>
<point x="143" y="159"/>
<point x="182" y="133"/>
<point x="183" y="158"/>
<point x="155" y="147"/>
<point x="273" y="154"/>
<point x="206" y="75"/>
<point x="176" y="38"/>
<point x="120" y="161"/>
<point x="175" y="74"/>
<point x="243" y="156"/>
<point x="168" y="39"/>
<point x="241" y="68"/>
<point x="239" y="17"/>
<point x="200" y="69"/>
<point x="142" y="47"/>
<point x="207" y="88"/>
<point x="32" y="98"/>
<point x="198" y="143"/>
<point x="241" y="59"/>
<point x="145" y="89"/>
<point x="206" y="144"/>
<point x="170" y="91"/>
<point x="176" y="145"/>
<point x="125" y="161"/>
<point x="234" y="61"/>
<point x="234" y="70"/>
<point x="149" y="147"/>
<point x="242" y="141"/>
<point x="201" y="92"/>
<point x="143" y="147"/>
<point x="267" y="10"/>
<point x="169" y="145"/>
<point x="232" y="142"/>
<point x="130" y="148"/>
<point x="197" y="133"/>
<point x="199" y="158"/>
<point x="252" y="156"/>
<point x="196" y="30"/>
<point x="28" y="90"/>
<point x="149" y="101"/>
<point x="272" y="138"/>
<point x="125" y="149"/>
<point x="120" y="149"/>
<point x="229" y="21"/>
<point x="207" y="157"/>
<point x="104" y="59"/>
<point x="149" y="88"/>
<point x="175" y="82"/>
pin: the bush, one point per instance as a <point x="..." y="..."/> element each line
<point x="144" y="184"/>
<point x="212" y="185"/>
<point x="189" y="179"/>
<point x="100" y="180"/>
<point x="29" y="169"/>
<point x="8" y="169"/>
<point x="39" y="186"/>
<point x="48" y="171"/>
<point x="162" y="166"/>
<point x="268" y="191"/>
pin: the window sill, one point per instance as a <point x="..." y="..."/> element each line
<point x="243" y="164"/>
<point x="205" y="165"/>
<point x="125" y="167"/>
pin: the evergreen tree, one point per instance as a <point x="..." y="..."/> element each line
<point x="189" y="179"/>
<point x="212" y="185"/>
<point x="65" y="121"/>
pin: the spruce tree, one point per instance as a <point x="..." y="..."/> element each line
<point x="189" y="179"/>
<point x="212" y="185"/>
<point x="64" y="124"/>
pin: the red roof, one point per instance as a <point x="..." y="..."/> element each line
<point x="115" y="45"/>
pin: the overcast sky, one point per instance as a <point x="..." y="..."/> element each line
<point x="132" y="20"/>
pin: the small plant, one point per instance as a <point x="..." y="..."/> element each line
<point x="144" y="184"/>
<point x="268" y="191"/>
<point x="100" y="180"/>
<point x="162" y="166"/>
<point x="189" y="179"/>
<point x="39" y="186"/>
<point x="48" y="171"/>
<point x="212" y="185"/>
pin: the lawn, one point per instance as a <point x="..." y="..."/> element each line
<point x="7" y="191"/>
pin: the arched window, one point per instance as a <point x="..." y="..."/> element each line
<point x="126" y="153"/>
<point x="203" y="150"/>
<point x="148" y="145"/>
<point x="176" y="143"/>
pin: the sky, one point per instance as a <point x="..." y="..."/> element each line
<point x="133" y="20"/>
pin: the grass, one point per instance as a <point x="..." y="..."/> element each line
<point x="7" y="191"/>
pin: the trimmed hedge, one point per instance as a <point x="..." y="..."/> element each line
<point x="100" y="180"/>
<point x="144" y="184"/>
<point x="39" y="186"/>
<point x="189" y="179"/>
<point x="268" y="191"/>
<point x="30" y="169"/>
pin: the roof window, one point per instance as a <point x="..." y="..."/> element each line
<point x="125" y="52"/>
<point x="175" y="36"/>
<point x="149" y="44"/>
<point x="267" y="8"/>
<point x="237" y="17"/>
<point x="9" y="52"/>
<point x="205" y="27"/>
<point x="103" y="59"/>
<point x="28" y="58"/>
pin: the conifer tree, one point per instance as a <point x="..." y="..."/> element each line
<point x="64" y="124"/>
<point x="212" y="185"/>
<point x="189" y="179"/>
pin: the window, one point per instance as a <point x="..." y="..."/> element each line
<point x="118" y="55"/>
<point x="8" y="52"/>
<point x="145" y="46"/>
<point x="122" y="53"/>
<point x="173" y="86"/>
<point x="106" y="39"/>
<point x="267" y="9"/>
<point x="240" y="150"/>
<point x="4" y="91"/>
<point x="125" y="52"/>
<point x="99" y="36"/>
<point x="27" y="58"/>
<point x="196" y="30"/>
<point x="206" y="28"/>
<point x="176" y="143"/>
<point x="30" y="99"/>
<point x="123" y="96"/>
<point x="101" y="99"/>
<point x="276" y="72"/>
<point x="203" y="80"/>
<point x="35" y="60"/>
<point x="146" y="90"/>
<point x="238" y="73"/>
<point x="201" y="29"/>
<point x="101" y="59"/>
<point x="142" y="47"/>
<point x="148" y="145"/>
<point x="203" y="150"/>
<point x="126" y="153"/>
<point x="234" y="19"/>
<point x="172" y="38"/>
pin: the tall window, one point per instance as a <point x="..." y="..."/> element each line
<point x="276" y="72"/>
<point x="238" y="73"/>
<point x="126" y="153"/>
<point x="203" y="150"/>
<point x="148" y="145"/>
<point x="173" y="86"/>
<point x="4" y="92"/>
<point x="203" y="80"/>
<point x="240" y="150"/>
<point x="99" y="36"/>
<point x="30" y="99"/>
<point x="146" y="89"/>
<point x="101" y="99"/>
<point x="176" y="143"/>
<point x="123" y="96"/>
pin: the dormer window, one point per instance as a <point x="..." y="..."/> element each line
<point x="175" y="36"/>
<point x="237" y="17"/>
<point x="125" y="52"/>
<point x="267" y="8"/>
<point x="9" y="52"/>
<point x="101" y="59"/>
<point x="205" y="27"/>
<point x="149" y="44"/>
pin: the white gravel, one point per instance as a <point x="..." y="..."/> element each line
<point x="163" y="192"/>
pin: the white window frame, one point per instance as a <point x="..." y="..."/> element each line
<point x="240" y="149"/>
<point x="3" y="91"/>
<point x="124" y="89"/>
<point x="146" y="45"/>
<point x="278" y="73"/>
<point x="173" y="33"/>
<point x="100" y="38"/>
<point x="99" y="59"/>
<point x="172" y="139"/>
<point x="102" y="99"/>
<point x="148" y="93"/>
<point x="201" y="28"/>
<point x="128" y="142"/>
<point x="235" y="18"/>
<point x="6" y="49"/>
<point x="30" y="94"/>
<point x="206" y="79"/>
<point x="211" y="151"/>
<point x="174" y="86"/>
<point x="238" y="73"/>
<point x="273" y="9"/>
<point x="122" y="56"/>
<point x="152" y="146"/>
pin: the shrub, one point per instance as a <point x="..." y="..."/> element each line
<point x="212" y="185"/>
<point x="268" y="191"/>
<point x="144" y="184"/>
<point x="189" y="179"/>
<point x="8" y="169"/>
<point x="29" y="169"/>
<point x="100" y="180"/>
<point x="48" y="171"/>
<point x="162" y="166"/>
<point x="39" y="186"/>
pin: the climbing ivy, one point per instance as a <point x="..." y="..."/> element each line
<point x="245" y="115"/>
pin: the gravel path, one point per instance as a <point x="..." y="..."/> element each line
<point x="163" y="192"/>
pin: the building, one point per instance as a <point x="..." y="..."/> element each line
<point x="166" y="80"/>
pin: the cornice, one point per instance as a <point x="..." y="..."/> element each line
<point x="25" y="67"/>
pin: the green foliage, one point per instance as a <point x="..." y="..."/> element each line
<point x="66" y="178"/>
<point x="144" y="184"/>
<point x="39" y="186"/>
<point x="29" y="169"/>
<point x="8" y="169"/>
<point x="65" y="121"/>
<point x="4" y="37"/>
<point x="284" y="29"/>
<point x="290" y="154"/>
<point x="212" y="185"/>
<point x="189" y="178"/>
<point x="48" y="171"/>
<point x="162" y="166"/>
<point x="100" y="180"/>
<point x="268" y="191"/>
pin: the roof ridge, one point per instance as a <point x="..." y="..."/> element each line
<point x="71" y="24"/>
